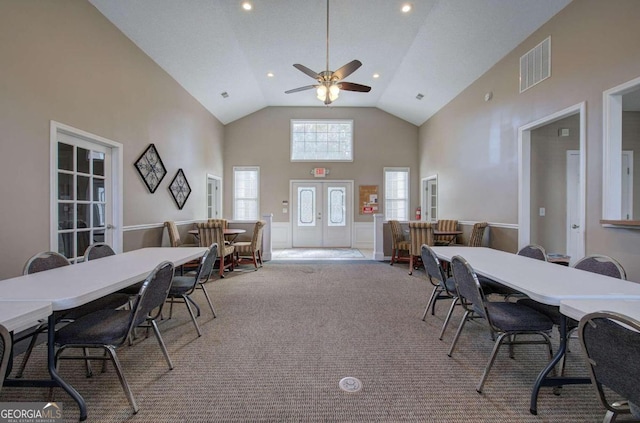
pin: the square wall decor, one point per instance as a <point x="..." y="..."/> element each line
<point x="151" y="168"/>
<point x="180" y="189"/>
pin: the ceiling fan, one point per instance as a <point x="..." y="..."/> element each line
<point x="330" y="83"/>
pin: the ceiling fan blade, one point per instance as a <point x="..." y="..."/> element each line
<point x="304" y="69"/>
<point x="295" y="90"/>
<point x="350" y="86"/>
<point x="347" y="69"/>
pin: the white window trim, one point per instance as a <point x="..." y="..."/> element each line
<point x="350" y="121"/>
<point x="241" y="168"/>
<point x="116" y="175"/>
<point x="397" y="169"/>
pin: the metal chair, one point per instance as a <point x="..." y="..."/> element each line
<point x="109" y="329"/>
<point x="398" y="243"/>
<point x="490" y="286"/>
<point x="183" y="286"/>
<point x="611" y="348"/>
<point x="251" y="248"/>
<point x="100" y="250"/>
<point x="443" y="288"/>
<point x="5" y="353"/>
<point x="505" y="319"/>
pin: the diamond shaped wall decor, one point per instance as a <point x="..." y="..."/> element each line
<point x="151" y="168"/>
<point x="180" y="189"/>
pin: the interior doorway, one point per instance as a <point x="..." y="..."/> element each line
<point x="429" y="199"/>
<point x="214" y="197"/>
<point x="552" y="202"/>
<point x="321" y="213"/>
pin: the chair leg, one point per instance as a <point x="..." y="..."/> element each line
<point x="87" y="363"/>
<point x="411" y="264"/>
<point x="123" y="381"/>
<point x="156" y="331"/>
<point x="492" y="358"/>
<point x="455" y="339"/>
<point x="27" y="354"/>
<point x="195" y="305"/>
<point x="222" y="266"/>
<point x="193" y="317"/>
<point x="206" y="295"/>
<point x="434" y="293"/>
<point x="449" y="314"/>
<point x="260" y="257"/>
<point x="393" y="256"/>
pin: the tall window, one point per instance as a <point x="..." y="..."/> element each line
<point x="396" y="193"/>
<point x="246" y="188"/>
<point x="326" y="140"/>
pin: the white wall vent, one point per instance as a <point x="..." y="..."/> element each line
<point x="535" y="65"/>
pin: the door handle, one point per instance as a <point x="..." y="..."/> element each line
<point x="574" y="226"/>
<point x="110" y="226"/>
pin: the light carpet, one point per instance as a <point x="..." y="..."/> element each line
<point x="288" y="333"/>
<point x="317" y="253"/>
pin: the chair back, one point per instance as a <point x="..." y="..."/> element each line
<point x="432" y="266"/>
<point x="256" y="240"/>
<point x="174" y="235"/>
<point x="468" y="287"/>
<point x="98" y="250"/>
<point x="44" y="261"/>
<point x="224" y="222"/>
<point x="603" y="265"/>
<point x="207" y="262"/>
<point x="210" y="233"/>
<point x="477" y="233"/>
<point x="5" y="352"/>
<point x="152" y="295"/>
<point x="611" y="346"/>
<point x="396" y="233"/>
<point x="420" y="233"/>
<point x="446" y="225"/>
<point x="533" y="251"/>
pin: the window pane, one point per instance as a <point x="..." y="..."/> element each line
<point x="306" y="206"/>
<point x="83" y="188"/>
<point x="245" y="193"/>
<point x="83" y="160"/>
<point x="98" y="215"/>
<point x="66" y="244"/>
<point x="65" y="216"/>
<point x="65" y="186"/>
<point x="84" y="216"/>
<point x="396" y="188"/>
<point x="322" y="140"/>
<point x="99" y="193"/>
<point x="337" y="209"/>
<point x="98" y="163"/>
<point x="65" y="156"/>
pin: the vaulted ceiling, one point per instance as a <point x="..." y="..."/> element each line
<point x="437" y="49"/>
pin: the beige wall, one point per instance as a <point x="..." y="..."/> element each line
<point x="472" y="144"/>
<point x="263" y="139"/>
<point x="631" y="141"/>
<point x="62" y="60"/>
<point x="549" y="182"/>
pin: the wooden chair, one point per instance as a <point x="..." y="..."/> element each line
<point x="252" y="248"/>
<point x="213" y="232"/>
<point x="421" y="233"/>
<point x="446" y="226"/>
<point x="398" y="242"/>
<point x="174" y="235"/>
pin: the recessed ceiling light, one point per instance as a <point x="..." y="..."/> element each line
<point x="225" y="94"/>
<point x="246" y="5"/>
<point x="376" y="75"/>
<point x="270" y="74"/>
<point x="406" y="8"/>
<point x="420" y="96"/>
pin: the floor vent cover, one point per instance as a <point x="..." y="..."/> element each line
<point x="350" y="384"/>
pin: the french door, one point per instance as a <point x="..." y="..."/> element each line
<point x="82" y="209"/>
<point x="321" y="213"/>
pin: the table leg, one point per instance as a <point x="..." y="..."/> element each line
<point x="544" y="380"/>
<point x="55" y="380"/>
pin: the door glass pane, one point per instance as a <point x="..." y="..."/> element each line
<point x="65" y="156"/>
<point x="336" y="207"/>
<point x="98" y="215"/>
<point x="99" y="193"/>
<point x="66" y="244"/>
<point x="83" y="188"/>
<point x="82" y="242"/>
<point x="83" y="160"/>
<point x="98" y="163"/>
<point x="98" y="236"/>
<point x="84" y="216"/>
<point x="65" y="216"/>
<point x="65" y="186"/>
<point x="306" y="206"/>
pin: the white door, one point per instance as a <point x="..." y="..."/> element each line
<point x="83" y="195"/>
<point x="321" y="214"/>
<point x="214" y="197"/>
<point x="574" y="231"/>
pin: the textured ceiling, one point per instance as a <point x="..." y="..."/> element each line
<point x="438" y="49"/>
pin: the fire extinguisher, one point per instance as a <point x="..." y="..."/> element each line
<point x="418" y="214"/>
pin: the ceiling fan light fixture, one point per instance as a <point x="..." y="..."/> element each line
<point x="334" y="92"/>
<point x="406" y="8"/>
<point x="321" y="92"/>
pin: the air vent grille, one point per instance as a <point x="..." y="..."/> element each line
<point x="535" y="65"/>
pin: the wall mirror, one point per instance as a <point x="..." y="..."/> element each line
<point x="621" y="177"/>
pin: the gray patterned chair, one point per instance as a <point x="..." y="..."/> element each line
<point x="443" y="288"/>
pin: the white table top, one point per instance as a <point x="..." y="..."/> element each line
<point x="576" y="309"/>
<point x="20" y="315"/>
<point x="542" y="281"/>
<point x="71" y="286"/>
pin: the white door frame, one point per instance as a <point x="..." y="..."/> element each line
<point x="571" y="201"/>
<point x="218" y="196"/>
<point x="524" y="173"/>
<point x="350" y="216"/>
<point x="116" y="180"/>
<point x="425" y="202"/>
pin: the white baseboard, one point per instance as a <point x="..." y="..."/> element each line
<point x="362" y="235"/>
